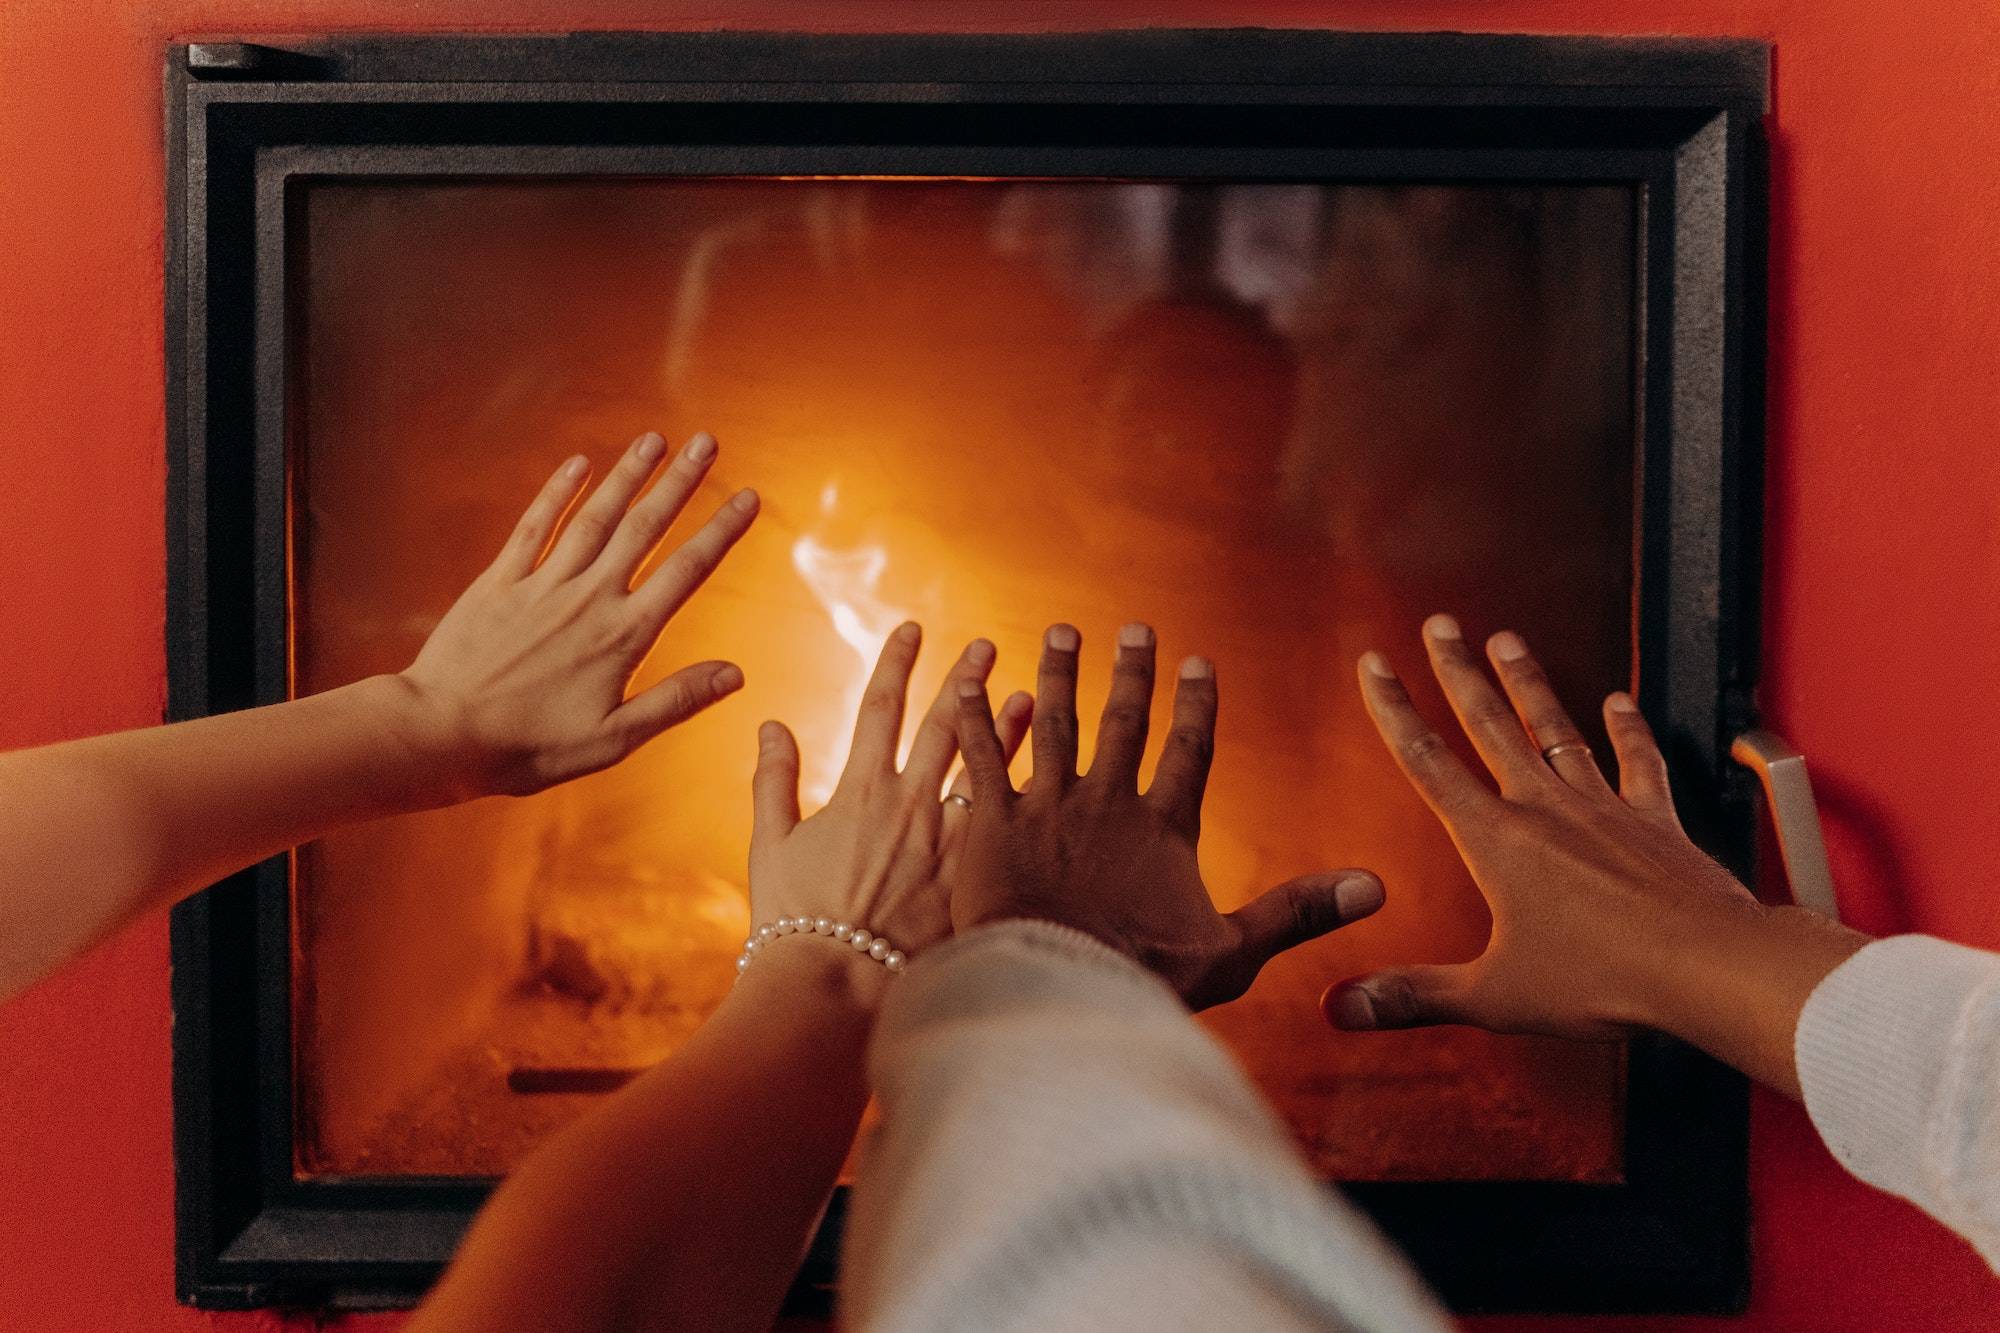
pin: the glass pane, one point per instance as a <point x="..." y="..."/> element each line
<point x="1280" y="422"/>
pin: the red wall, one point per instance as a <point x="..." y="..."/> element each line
<point x="1883" y="623"/>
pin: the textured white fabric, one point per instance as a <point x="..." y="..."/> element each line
<point x="1899" y="1059"/>
<point x="1063" y="1148"/>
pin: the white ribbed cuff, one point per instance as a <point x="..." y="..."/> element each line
<point x="1877" y="1046"/>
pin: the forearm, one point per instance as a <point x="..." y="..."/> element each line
<point x="687" y="1200"/>
<point x="1732" y="979"/>
<point x="1056" y="1128"/>
<point x="105" y="829"/>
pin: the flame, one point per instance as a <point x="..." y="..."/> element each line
<point x="846" y="581"/>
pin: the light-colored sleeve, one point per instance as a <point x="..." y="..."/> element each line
<point x="1899" y="1058"/>
<point x="1063" y="1147"/>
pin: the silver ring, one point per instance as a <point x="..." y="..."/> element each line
<point x="956" y="799"/>
<point x="1567" y="747"/>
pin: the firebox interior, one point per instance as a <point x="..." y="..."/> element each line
<point x="1281" y="422"/>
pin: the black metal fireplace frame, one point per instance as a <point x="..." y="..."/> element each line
<point x="1678" y="120"/>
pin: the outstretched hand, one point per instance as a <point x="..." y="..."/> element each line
<point x="522" y="684"/>
<point x="1093" y="853"/>
<point x="878" y="854"/>
<point x="1606" y="917"/>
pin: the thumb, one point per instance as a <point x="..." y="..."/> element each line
<point x="1304" y="909"/>
<point x="774" y="788"/>
<point x="1399" y="997"/>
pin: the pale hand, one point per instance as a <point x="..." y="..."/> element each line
<point x="523" y="683"/>
<point x="878" y="854"/>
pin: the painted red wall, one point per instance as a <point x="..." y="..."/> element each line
<point x="1883" y="618"/>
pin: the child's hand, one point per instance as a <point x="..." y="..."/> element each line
<point x="878" y="854"/>
<point x="522" y="685"/>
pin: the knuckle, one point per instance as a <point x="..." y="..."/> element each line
<point x="1423" y="747"/>
<point x="1124" y="717"/>
<point x="1192" y="742"/>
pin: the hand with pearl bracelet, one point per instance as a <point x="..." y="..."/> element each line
<point x="863" y="878"/>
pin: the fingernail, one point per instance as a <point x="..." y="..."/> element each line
<point x="1443" y="627"/>
<point x="1135" y="635"/>
<point x="1064" y="638"/>
<point x="1377" y="665"/>
<point x="909" y="632"/>
<point x="1197" y="668"/>
<point x="1353" y="1009"/>
<point x="979" y="652"/>
<point x="726" y="679"/>
<point x="1508" y="646"/>
<point x="770" y="734"/>
<point x="746" y="500"/>
<point x="576" y="467"/>
<point x="649" y="447"/>
<point x="1357" y="896"/>
<point x="1020" y="701"/>
<point x="701" y="448"/>
<point x="1621" y="702"/>
<point x="970" y="689"/>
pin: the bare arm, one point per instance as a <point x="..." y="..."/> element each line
<point x="521" y="686"/>
<point x="688" y="1200"/>
<point x="1606" y="918"/>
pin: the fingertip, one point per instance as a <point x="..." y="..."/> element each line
<point x="1136" y="635"/>
<point x="1019" y="702"/>
<point x="1377" y="666"/>
<point x="726" y="679"/>
<point x="1349" y="1007"/>
<point x="1507" y="646"/>
<point x="650" y="447"/>
<point x="909" y="634"/>
<point x="1063" y="638"/>
<point x="1197" y="668"/>
<point x="1443" y="628"/>
<point x="1619" y="702"/>
<point x="576" y="469"/>
<point x="980" y="653"/>
<point x="746" y="501"/>
<point x="1358" y="894"/>
<point x="701" y="448"/>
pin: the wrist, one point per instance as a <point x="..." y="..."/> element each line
<point x="424" y="740"/>
<point x="818" y="972"/>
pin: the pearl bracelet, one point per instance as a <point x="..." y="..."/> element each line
<point x="861" y="941"/>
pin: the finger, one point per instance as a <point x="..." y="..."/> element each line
<point x="1016" y="712"/>
<point x="774" y="788"/>
<point x="1486" y="716"/>
<point x="1642" y="769"/>
<point x="1400" y="997"/>
<point x="1446" y="784"/>
<point x="1055" y="710"/>
<point x="599" y="516"/>
<point x="1303" y="909"/>
<point x="936" y="741"/>
<point x="667" y="588"/>
<point x="1548" y="723"/>
<point x="540" y="520"/>
<point x="1121" y="734"/>
<point x="646" y="522"/>
<point x="878" y="723"/>
<point x="674" y="700"/>
<point x="1181" y="776"/>
<point x="985" y="759"/>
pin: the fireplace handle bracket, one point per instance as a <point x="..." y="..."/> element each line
<point x="1788" y="792"/>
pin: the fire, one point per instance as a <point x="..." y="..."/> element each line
<point x="847" y="583"/>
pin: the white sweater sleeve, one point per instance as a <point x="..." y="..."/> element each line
<point x="1899" y="1058"/>
<point x="1063" y="1147"/>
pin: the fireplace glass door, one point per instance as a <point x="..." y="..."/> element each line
<point x="1280" y="422"/>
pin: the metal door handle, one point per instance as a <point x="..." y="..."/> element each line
<point x="1788" y="791"/>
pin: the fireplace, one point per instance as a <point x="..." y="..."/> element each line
<point x="1277" y="340"/>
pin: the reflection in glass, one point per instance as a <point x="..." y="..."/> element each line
<point x="1281" y="423"/>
